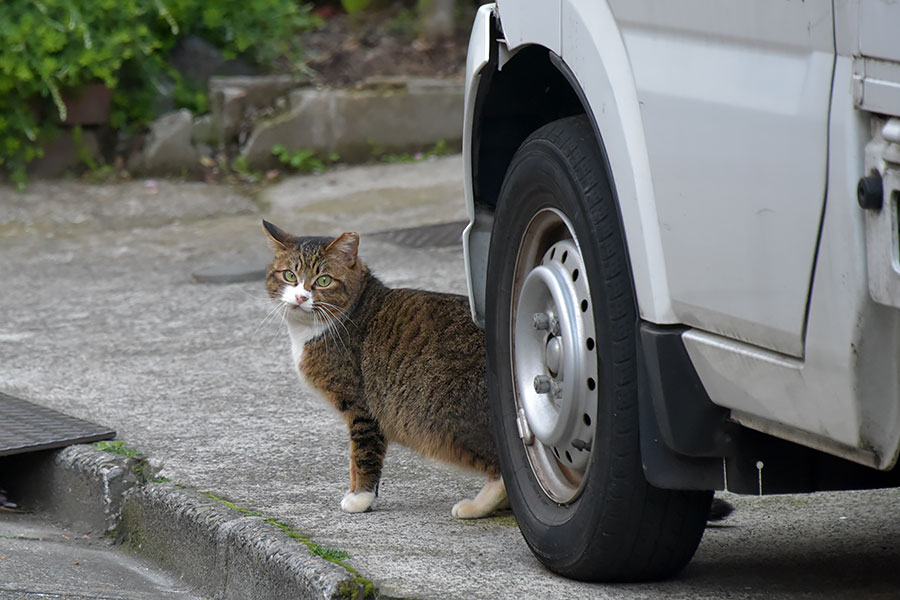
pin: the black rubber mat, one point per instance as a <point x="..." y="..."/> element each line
<point x="27" y="427"/>
<point x="440" y="235"/>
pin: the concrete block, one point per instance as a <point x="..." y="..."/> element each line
<point x="204" y="131"/>
<point x="231" y="98"/>
<point x="63" y="153"/>
<point x="168" y="147"/>
<point x="395" y="115"/>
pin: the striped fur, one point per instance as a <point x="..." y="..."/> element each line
<point x="400" y="365"/>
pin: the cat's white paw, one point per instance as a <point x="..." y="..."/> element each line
<point x="467" y="509"/>
<point x="491" y="498"/>
<point x="354" y="502"/>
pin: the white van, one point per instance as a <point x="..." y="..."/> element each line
<point x="683" y="247"/>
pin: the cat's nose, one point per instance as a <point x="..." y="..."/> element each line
<point x="301" y="298"/>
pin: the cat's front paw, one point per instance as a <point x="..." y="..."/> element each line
<point x="468" y="509"/>
<point x="354" y="502"/>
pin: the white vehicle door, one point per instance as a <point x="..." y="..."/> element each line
<point x="734" y="98"/>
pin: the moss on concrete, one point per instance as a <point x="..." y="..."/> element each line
<point x="356" y="589"/>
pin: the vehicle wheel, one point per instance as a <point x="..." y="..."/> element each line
<point x="562" y="376"/>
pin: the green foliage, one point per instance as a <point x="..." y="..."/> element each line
<point x="381" y="155"/>
<point x="190" y="94"/>
<point x="48" y="48"/>
<point x="330" y="554"/>
<point x="305" y="161"/>
<point x="119" y="448"/>
<point x="240" y="168"/>
<point x="354" y="7"/>
<point x="359" y="583"/>
<point x="404" y="23"/>
<point x="262" y="30"/>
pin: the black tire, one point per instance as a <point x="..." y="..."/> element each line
<point x="616" y="527"/>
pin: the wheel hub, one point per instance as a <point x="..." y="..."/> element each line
<point x="553" y="355"/>
<point x="556" y="368"/>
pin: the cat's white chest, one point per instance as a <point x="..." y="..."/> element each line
<point x="300" y="334"/>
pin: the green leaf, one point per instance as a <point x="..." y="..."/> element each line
<point x="354" y="6"/>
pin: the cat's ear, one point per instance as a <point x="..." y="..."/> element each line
<point x="344" y="247"/>
<point x="279" y="239"/>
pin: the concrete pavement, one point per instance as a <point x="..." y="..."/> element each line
<point x="102" y="318"/>
<point x="39" y="560"/>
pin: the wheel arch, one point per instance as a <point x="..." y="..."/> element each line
<point x="516" y="90"/>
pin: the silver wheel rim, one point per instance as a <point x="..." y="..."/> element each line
<point x="553" y="355"/>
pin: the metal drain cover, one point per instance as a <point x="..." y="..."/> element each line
<point x="440" y="235"/>
<point x="27" y="427"/>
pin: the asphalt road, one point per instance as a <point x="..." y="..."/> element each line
<point x="101" y="317"/>
<point x="40" y="560"/>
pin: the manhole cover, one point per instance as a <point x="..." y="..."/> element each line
<point x="427" y="236"/>
<point x="27" y="427"/>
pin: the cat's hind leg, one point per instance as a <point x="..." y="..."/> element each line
<point x="367" y="449"/>
<point x="491" y="497"/>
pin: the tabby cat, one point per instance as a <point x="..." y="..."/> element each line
<point x="399" y="365"/>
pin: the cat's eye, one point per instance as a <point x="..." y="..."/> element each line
<point x="289" y="276"/>
<point x="323" y="281"/>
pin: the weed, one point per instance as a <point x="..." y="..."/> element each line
<point x="305" y="161"/>
<point x="333" y="555"/>
<point x="405" y="24"/>
<point x="118" y="447"/>
<point x="380" y="154"/>
<point x="141" y="467"/>
<point x="243" y="171"/>
<point x="353" y="7"/>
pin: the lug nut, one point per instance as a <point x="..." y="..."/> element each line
<point x="556" y="390"/>
<point x="542" y="384"/>
<point x="554" y="326"/>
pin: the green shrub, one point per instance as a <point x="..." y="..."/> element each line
<point x="51" y="47"/>
<point x="261" y="29"/>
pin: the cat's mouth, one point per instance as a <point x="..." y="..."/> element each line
<point x="299" y="312"/>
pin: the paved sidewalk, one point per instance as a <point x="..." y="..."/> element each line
<point x="101" y="317"/>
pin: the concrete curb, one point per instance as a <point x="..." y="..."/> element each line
<point x="224" y="552"/>
<point x="78" y="485"/>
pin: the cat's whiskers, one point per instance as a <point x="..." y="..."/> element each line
<point x="319" y="326"/>
<point x="338" y="316"/>
<point x="338" y="313"/>
<point x="280" y="313"/>
<point x="331" y="322"/>
<point x="272" y="314"/>
<point x="334" y="315"/>
<point x="331" y="331"/>
<point x="327" y="327"/>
